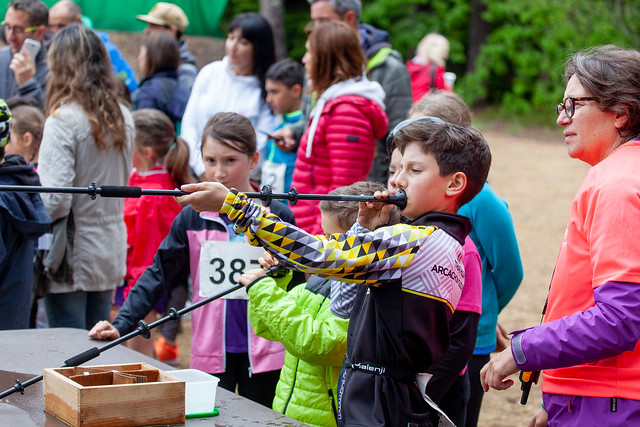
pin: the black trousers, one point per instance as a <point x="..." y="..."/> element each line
<point x="260" y="388"/>
<point x="454" y="403"/>
<point x="476" y="392"/>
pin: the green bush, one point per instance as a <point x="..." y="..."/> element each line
<point x="520" y="64"/>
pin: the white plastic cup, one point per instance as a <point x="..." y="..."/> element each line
<point x="449" y="79"/>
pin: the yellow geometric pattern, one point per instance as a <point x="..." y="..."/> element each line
<point x="360" y="258"/>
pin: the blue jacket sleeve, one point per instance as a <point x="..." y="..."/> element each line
<point x="170" y="268"/>
<point x="605" y="330"/>
<point x="119" y="65"/>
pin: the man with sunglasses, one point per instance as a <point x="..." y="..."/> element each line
<point x="20" y="74"/>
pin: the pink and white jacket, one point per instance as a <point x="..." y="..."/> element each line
<point x="178" y="257"/>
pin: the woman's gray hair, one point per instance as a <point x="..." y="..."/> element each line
<point x="612" y="75"/>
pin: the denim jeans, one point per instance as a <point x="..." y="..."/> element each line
<point x="77" y="309"/>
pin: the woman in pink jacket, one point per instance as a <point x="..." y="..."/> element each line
<point x="338" y="147"/>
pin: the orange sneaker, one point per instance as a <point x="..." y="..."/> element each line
<point x="166" y="352"/>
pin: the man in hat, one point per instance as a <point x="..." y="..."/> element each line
<point x="170" y="17"/>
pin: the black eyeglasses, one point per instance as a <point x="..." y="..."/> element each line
<point x="569" y="104"/>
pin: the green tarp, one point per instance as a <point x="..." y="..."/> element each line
<point x="204" y="15"/>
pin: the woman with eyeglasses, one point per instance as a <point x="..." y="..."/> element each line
<point x="588" y="343"/>
<point x="23" y="73"/>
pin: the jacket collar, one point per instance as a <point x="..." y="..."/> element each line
<point x="457" y="226"/>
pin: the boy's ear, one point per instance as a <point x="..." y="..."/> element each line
<point x="296" y="90"/>
<point x="457" y="184"/>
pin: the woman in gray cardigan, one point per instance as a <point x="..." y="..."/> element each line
<point x="88" y="137"/>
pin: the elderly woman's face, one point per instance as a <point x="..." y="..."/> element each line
<point x="591" y="134"/>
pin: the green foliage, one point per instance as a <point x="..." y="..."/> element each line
<point x="409" y="22"/>
<point x="521" y="62"/>
<point x="520" y="65"/>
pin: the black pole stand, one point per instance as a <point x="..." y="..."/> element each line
<point x="143" y="330"/>
<point x="266" y="195"/>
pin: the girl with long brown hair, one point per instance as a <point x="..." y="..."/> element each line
<point x="88" y="137"/>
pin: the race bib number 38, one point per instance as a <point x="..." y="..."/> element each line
<point x="222" y="264"/>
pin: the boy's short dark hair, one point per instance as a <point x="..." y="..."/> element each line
<point x="455" y="148"/>
<point x="346" y="213"/>
<point x="288" y="71"/>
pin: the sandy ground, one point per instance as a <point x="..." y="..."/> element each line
<point x="534" y="174"/>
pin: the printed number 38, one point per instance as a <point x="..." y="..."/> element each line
<point x="236" y="267"/>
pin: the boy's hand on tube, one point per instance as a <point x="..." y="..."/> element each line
<point x="248" y="277"/>
<point x="267" y="261"/>
<point x="372" y="215"/>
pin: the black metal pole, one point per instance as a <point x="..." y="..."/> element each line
<point x="266" y="195"/>
<point x="144" y="330"/>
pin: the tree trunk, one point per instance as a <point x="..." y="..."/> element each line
<point x="273" y="11"/>
<point x="479" y="30"/>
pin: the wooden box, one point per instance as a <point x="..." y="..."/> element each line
<point x="114" y="399"/>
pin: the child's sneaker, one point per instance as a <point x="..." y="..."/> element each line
<point x="166" y="352"/>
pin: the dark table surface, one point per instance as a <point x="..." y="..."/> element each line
<point x="25" y="353"/>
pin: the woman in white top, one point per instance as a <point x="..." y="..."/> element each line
<point x="233" y="84"/>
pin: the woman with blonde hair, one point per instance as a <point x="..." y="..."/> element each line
<point x="427" y="68"/>
<point x="88" y="137"/>
<point x="347" y="119"/>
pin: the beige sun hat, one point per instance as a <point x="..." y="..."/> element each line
<point x="166" y="14"/>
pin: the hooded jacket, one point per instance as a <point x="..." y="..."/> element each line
<point x="411" y="278"/>
<point x="345" y="121"/>
<point x="315" y="341"/>
<point x="165" y="92"/>
<point x="425" y="77"/>
<point x="23" y="219"/>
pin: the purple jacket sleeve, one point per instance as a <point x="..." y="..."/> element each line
<point x="605" y="330"/>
